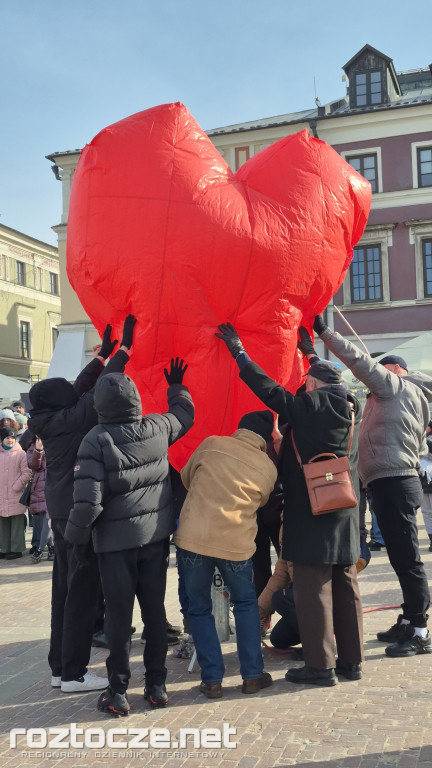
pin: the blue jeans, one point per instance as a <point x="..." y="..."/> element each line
<point x="198" y="572"/>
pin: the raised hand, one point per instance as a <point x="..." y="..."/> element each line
<point x="229" y="335"/>
<point x="177" y="370"/>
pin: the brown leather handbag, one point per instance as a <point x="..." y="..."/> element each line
<point x="328" y="479"/>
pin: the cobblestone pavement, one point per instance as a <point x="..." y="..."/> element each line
<point x="382" y="720"/>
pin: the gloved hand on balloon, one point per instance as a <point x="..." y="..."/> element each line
<point x="107" y="346"/>
<point x="177" y="370"/>
<point x="319" y="325"/>
<point x="305" y="344"/>
<point x="229" y="335"/>
<point x="128" y="328"/>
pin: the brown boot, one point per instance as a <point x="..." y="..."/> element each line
<point x="211" y="690"/>
<point x="253" y="686"/>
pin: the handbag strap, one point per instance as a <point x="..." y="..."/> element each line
<point x="350" y="439"/>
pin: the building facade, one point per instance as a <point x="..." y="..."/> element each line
<point x="29" y="305"/>
<point x="382" y="126"/>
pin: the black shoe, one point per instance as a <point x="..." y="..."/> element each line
<point x="174" y="629"/>
<point x="410" y="644"/>
<point x="375" y="546"/>
<point x="32" y="550"/>
<point x="51" y="553"/>
<point x="99" y="640"/>
<point x="156" y="695"/>
<point x="13" y="555"/>
<point x="350" y="671"/>
<point x="116" y="703"/>
<point x="36" y="556"/>
<point x="394" y="633"/>
<point x="172" y="636"/>
<point x="326" y="677"/>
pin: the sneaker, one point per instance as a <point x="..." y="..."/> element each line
<point x="36" y="556"/>
<point x="156" y="695"/>
<point x="265" y="624"/>
<point x="410" y="644"/>
<point x="115" y="703"/>
<point x="325" y="677"/>
<point x="257" y="684"/>
<point x="32" y="550"/>
<point x="56" y="681"/>
<point x="350" y="671"/>
<point x="174" y="630"/>
<point x="99" y="640"/>
<point x="89" y="682"/>
<point x="394" y="633"/>
<point x="51" y="553"/>
<point x="172" y="636"/>
<point x="375" y="545"/>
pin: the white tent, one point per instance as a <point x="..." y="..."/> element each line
<point x="11" y="389"/>
<point x="416" y="352"/>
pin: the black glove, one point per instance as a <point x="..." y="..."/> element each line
<point x="128" y="331"/>
<point x="305" y="344"/>
<point x="177" y="371"/>
<point x="229" y="335"/>
<point x="107" y="347"/>
<point x="319" y="325"/>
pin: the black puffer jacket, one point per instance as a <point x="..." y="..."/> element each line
<point x="61" y="431"/>
<point x="122" y="489"/>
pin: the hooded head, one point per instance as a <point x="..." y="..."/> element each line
<point x="260" y="422"/>
<point x="117" y="399"/>
<point x="54" y="394"/>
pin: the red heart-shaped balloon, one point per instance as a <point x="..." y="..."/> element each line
<point x="160" y="227"/>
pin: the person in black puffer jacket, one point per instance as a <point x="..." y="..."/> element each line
<point x="62" y="413"/>
<point x="122" y="495"/>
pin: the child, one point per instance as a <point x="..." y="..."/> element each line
<point x="122" y="483"/>
<point x="14" y="474"/>
<point x="37" y="507"/>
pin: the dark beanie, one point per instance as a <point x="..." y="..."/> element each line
<point x="260" y="422"/>
<point x="326" y="372"/>
<point x="7" y="432"/>
<point x="18" y="404"/>
<point x="394" y="360"/>
<point x="53" y="393"/>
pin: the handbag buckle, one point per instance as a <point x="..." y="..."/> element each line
<point x="329" y="476"/>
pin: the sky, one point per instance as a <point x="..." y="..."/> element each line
<point x="71" y="67"/>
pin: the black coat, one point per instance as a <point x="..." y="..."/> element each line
<point x="62" y="430"/>
<point x="122" y="486"/>
<point x="320" y="422"/>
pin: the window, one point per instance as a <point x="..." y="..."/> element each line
<point x="366" y="277"/>
<point x="20" y="273"/>
<point x="368" y="90"/>
<point x="427" y="266"/>
<point x="424" y="166"/>
<point x="241" y="155"/>
<point x="367" y="166"/>
<point x="53" y="283"/>
<point x="24" y="339"/>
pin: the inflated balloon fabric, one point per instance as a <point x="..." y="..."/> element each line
<point x="159" y="226"/>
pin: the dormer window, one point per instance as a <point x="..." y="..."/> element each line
<point x="368" y="89"/>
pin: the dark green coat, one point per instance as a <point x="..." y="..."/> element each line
<point x="320" y="422"/>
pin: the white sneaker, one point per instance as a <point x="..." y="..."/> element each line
<point x="55" y="682"/>
<point x="89" y="682"/>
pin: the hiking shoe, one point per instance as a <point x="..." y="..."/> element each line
<point x="211" y="690"/>
<point x="174" y="629"/>
<point x="350" y="671"/>
<point x="36" y="556"/>
<point x="410" y="644"/>
<point x="394" y="633"/>
<point x="89" y="682"/>
<point x="156" y="695"/>
<point x="115" y="703"/>
<point x="55" y="681"/>
<point x="257" y="684"/>
<point x="32" y="550"/>
<point x="325" y="677"/>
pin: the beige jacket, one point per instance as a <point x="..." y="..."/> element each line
<point x="228" y="479"/>
<point x="280" y="578"/>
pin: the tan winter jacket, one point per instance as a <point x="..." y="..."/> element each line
<point x="228" y="479"/>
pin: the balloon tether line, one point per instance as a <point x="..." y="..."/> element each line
<point x="351" y="329"/>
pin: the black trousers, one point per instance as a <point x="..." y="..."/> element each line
<point x="328" y="605"/>
<point x="74" y="600"/>
<point x="267" y="534"/>
<point x="395" y="501"/>
<point x="141" y="572"/>
<point x="286" y="632"/>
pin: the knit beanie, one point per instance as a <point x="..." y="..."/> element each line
<point x="394" y="360"/>
<point x="7" y="432"/>
<point x="6" y="413"/>
<point x="260" y="422"/>
<point x="20" y="419"/>
<point x="55" y="393"/>
<point x="326" y="372"/>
